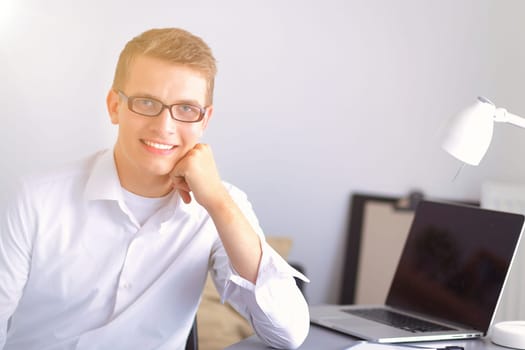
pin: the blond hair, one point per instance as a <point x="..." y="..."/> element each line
<point x="172" y="45"/>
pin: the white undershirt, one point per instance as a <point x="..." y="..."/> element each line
<point x="143" y="208"/>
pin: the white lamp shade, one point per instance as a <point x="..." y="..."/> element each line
<point x="469" y="133"/>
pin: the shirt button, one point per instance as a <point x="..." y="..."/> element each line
<point x="125" y="285"/>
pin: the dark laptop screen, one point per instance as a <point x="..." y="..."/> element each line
<point x="454" y="262"/>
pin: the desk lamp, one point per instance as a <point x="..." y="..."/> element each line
<point x="470" y="132"/>
<point x="468" y="138"/>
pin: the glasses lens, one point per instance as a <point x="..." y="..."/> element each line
<point x="187" y="113"/>
<point x="146" y="106"/>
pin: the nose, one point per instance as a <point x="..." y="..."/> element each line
<point x="164" y="122"/>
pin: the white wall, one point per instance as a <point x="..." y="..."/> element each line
<point x="314" y="99"/>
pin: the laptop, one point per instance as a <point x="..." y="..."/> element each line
<point x="447" y="283"/>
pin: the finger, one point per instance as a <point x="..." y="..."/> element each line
<point x="185" y="195"/>
<point x="179" y="183"/>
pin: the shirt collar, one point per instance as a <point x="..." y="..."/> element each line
<point x="103" y="182"/>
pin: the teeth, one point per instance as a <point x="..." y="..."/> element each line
<point x="158" y="145"/>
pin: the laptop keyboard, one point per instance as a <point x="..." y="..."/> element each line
<point x="398" y="320"/>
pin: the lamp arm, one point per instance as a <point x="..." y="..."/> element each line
<point x="501" y="115"/>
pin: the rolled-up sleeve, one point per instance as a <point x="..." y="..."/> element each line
<point x="274" y="305"/>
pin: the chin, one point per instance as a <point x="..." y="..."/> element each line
<point x="160" y="169"/>
<point x="164" y="172"/>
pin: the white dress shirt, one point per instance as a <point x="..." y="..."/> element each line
<point x="78" y="271"/>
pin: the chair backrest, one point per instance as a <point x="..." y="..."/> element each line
<point x="193" y="342"/>
<point x="300" y="283"/>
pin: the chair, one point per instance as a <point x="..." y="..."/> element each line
<point x="299" y="282"/>
<point x="193" y="341"/>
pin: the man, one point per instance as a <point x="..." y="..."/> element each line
<point x="112" y="252"/>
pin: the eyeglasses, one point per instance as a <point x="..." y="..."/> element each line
<point x="151" y="107"/>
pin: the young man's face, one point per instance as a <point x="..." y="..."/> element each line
<point x="150" y="147"/>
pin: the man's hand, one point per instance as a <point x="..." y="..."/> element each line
<point x="196" y="172"/>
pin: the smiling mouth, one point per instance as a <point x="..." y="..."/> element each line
<point x="159" y="146"/>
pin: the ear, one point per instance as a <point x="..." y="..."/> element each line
<point x="112" y="103"/>
<point x="207" y="117"/>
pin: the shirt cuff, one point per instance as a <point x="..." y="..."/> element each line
<point x="271" y="267"/>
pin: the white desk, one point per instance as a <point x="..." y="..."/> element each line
<point x="324" y="339"/>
